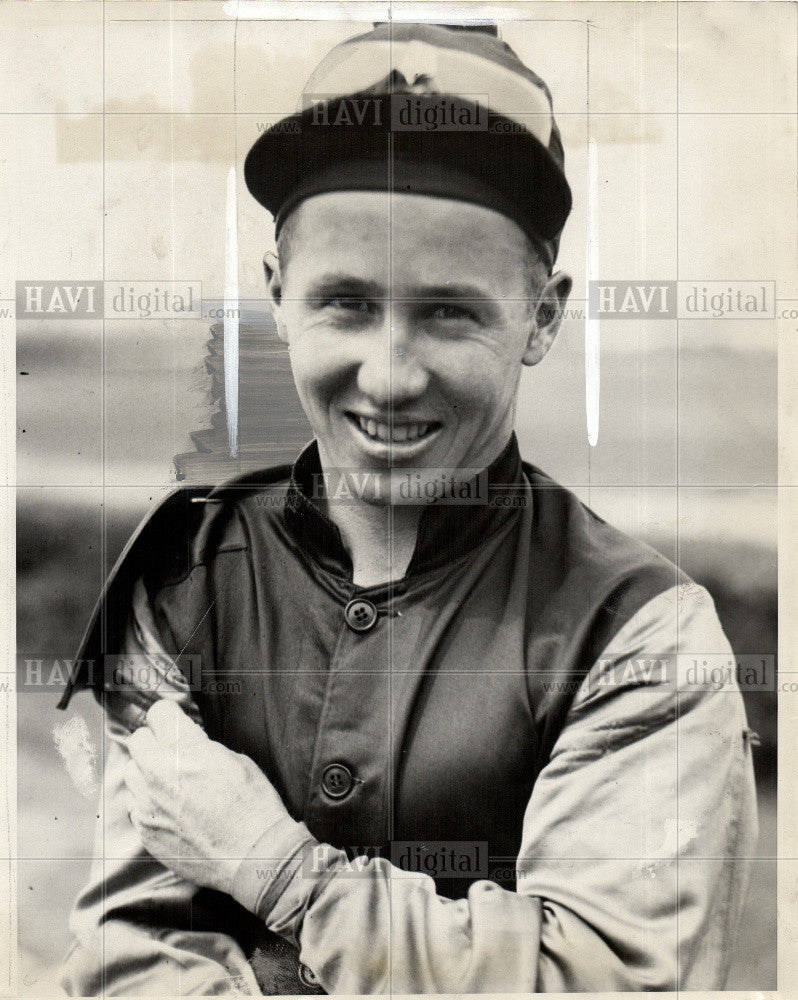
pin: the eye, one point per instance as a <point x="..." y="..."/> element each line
<point x="452" y="313"/>
<point x="350" y="304"/>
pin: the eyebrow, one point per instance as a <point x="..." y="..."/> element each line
<point x="343" y="285"/>
<point x="452" y="293"/>
<point x="348" y="285"/>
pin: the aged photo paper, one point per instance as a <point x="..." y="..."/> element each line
<point x="398" y="574"/>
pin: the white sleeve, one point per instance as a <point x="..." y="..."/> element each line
<point x="640" y="829"/>
<point x="139" y="929"/>
<point x="633" y="863"/>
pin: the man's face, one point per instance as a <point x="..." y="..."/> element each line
<point x="408" y="319"/>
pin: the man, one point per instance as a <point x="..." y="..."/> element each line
<point x="493" y="692"/>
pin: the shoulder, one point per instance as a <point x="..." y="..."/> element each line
<point x="194" y="525"/>
<point x="602" y="599"/>
<point x="191" y="527"/>
<point x="584" y="546"/>
<point x="586" y="580"/>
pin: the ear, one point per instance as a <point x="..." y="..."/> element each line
<point x="545" y="322"/>
<point x="274" y="292"/>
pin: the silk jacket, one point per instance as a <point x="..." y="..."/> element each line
<point x="518" y="704"/>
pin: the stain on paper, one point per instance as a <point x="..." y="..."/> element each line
<point x="79" y="754"/>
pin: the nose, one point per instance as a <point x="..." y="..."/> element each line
<point x="391" y="373"/>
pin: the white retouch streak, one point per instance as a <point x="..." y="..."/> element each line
<point x="592" y="329"/>
<point x="79" y="754"/>
<point x="231" y="315"/>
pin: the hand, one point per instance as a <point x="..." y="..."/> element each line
<point x="198" y="807"/>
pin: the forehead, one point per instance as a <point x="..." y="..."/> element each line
<point x="404" y="234"/>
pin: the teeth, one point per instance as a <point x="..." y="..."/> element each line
<point x="399" y="434"/>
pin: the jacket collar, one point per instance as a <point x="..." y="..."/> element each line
<point x="446" y="530"/>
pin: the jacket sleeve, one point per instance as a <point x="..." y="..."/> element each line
<point x="138" y="929"/>
<point x="632" y="869"/>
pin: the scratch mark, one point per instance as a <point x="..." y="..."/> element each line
<point x="231" y="315"/>
<point x="79" y="754"/>
<point x="592" y="326"/>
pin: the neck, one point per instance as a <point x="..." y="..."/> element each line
<point x="380" y="539"/>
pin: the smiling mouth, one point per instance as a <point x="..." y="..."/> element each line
<point x="396" y="433"/>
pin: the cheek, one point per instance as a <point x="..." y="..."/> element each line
<point x="308" y="376"/>
<point x="482" y="383"/>
<point x="320" y="370"/>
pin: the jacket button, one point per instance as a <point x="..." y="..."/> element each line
<point x="360" y="614"/>
<point x="337" y="781"/>
<point x="307" y="976"/>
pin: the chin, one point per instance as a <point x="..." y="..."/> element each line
<point x="378" y="502"/>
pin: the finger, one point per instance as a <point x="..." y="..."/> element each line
<point x="162" y="721"/>
<point x="142" y="746"/>
<point x="133" y="812"/>
<point x="170" y="724"/>
<point x="140" y="801"/>
<point x="135" y="782"/>
<point x="156" y="765"/>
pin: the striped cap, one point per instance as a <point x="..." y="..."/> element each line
<point x="421" y="109"/>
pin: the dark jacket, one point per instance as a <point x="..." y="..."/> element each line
<point x="432" y="723"/>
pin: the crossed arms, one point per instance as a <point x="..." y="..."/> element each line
<point x="617" y="887"/>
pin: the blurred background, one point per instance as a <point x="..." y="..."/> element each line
<point x="121" y="144"/>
